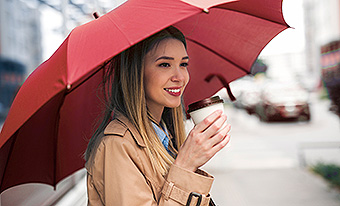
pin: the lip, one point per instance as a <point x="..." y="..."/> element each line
<point x="174" y="93"/>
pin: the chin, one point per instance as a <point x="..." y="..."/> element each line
<point x="173" y="105"/>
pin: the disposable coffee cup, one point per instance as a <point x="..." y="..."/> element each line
<point x="201" y="109"/>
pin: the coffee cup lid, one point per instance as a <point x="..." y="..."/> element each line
<point x="204" y="102"/>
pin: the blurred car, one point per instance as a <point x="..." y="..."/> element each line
<point x="247" y="94"/>
<point x="248" y="99"/>
<point x="281" y="101"/>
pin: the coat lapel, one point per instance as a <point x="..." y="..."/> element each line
<point x="123" y="125"/>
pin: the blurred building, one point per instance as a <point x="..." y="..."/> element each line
<point x="298" y="57"/>
<point x="20" y="33"/>
<point x="21" y="28"/>
<point x="322" y="25"/>
<point x="323" y="17"/>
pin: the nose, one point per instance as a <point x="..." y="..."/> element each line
<point x="179" y="75"/>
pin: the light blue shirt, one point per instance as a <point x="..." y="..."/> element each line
<point x="163" y="135"/>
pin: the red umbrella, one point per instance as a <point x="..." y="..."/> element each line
<point x="53" y="114"/>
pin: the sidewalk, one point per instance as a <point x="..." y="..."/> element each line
<point x="272" y="187"/>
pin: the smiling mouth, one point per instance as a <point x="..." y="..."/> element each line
<point x="173" y="92"/>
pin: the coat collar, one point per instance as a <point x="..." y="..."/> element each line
<point x="120" y="125"/>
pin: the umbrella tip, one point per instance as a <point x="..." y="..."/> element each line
<point x="206" y="10"/>
<point x="95" y="15"/>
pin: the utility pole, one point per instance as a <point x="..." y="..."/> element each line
<point x="312" y="52"/>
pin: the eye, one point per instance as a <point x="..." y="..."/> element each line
<point x="184" y="64"/>
<point x="164" y="65"/>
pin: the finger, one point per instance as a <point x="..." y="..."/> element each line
<point x="208" y="120"/>
<point x="215" y="127"/>
<point x="221" y="144"/>
<point x="218" y="137"/>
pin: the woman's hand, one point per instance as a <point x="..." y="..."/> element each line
<point x="203" y="142"/>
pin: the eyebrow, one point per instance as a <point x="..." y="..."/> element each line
<point x="169" y="58"/>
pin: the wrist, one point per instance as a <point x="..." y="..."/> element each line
<point x="181" y="164"/>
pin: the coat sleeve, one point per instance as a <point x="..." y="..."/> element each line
<point x="183" y="186"/>
<point x="117" y="179"/>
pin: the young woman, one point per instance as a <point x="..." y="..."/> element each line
<point x="140" y="154"/>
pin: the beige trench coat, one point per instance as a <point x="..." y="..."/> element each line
<point x="122" y="175"/>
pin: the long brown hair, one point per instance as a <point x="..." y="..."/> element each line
<point x="123" y="91"/>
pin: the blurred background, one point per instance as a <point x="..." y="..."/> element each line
<point x="286" y="116"/>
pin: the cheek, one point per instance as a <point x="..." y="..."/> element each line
<point x="151" y="84"/>
<point x="187" y="77"/>
<point x="148" y="85"/>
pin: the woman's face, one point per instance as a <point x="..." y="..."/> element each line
<point x="165" y="75"/>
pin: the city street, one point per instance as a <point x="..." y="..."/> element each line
<point x="264" y="164"/>
<point x="261" y="145"/>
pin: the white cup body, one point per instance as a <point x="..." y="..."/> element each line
<point x="200" y="114"/>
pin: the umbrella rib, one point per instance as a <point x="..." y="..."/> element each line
<point x="9" y="155"/>
<point x="275" y="22"/>
<point x="56" y="132"/>
<point x="94" y="73"/>
<point x="217" y="54"/>
<point x="57" y="122"/>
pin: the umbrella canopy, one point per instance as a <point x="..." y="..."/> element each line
<point x="52" y="117"/>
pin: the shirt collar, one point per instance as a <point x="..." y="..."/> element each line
<point x="162" y="133"/>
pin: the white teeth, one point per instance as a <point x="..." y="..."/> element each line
<point x="173" y="90"/>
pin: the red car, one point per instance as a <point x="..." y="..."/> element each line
<point x="280" y="101"/>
